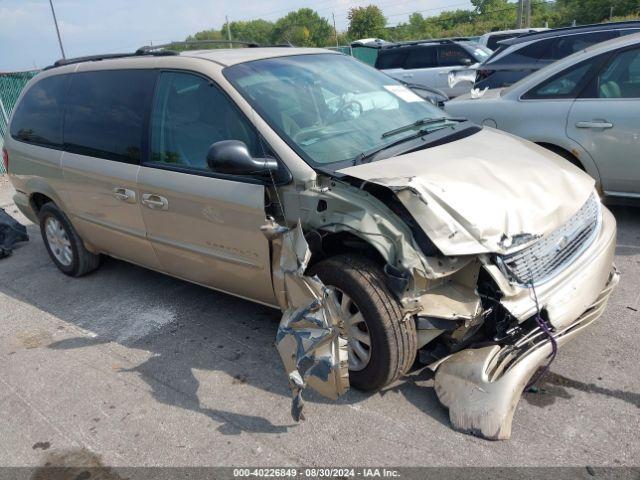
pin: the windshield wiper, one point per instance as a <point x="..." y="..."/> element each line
<point x="364" y="156"/>
<point x="420" y="123"/>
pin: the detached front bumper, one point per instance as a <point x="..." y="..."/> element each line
<point x="482" y="387"/>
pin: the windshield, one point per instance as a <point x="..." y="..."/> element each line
<point x="331" y="108"/>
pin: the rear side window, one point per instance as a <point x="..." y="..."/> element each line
<point x="38" y="117"/>
<point x="566" y="84"/>
<point x="452" y="55"/>
<point x="493" y="40"/>
<point x="421" y="57"/>
<point x="630" y="31"/>
<point x="391" y="59"/>
<point x="570" y="44"/>
<point x="533" y="52"/>
<point x="105" y="113"/>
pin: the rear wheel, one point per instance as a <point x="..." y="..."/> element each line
<point x="63" y="243"/>
<point x="381" y="343"/>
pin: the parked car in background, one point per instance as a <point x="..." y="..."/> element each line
<point x="585" y="107"/>
<point x="520" y="56"/>
<point x="491" y="39"/>
<point x="428" y="63"/>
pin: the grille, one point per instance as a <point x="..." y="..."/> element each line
<point x="546" y="257"/>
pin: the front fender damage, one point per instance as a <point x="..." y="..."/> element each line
<point x="307" y="340"/>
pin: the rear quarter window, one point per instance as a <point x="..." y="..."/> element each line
<point x="421" y="57"/>
<point x="530" y="53"/>
<point x="38" y="117"/>
<point x="452" y="55"/>
<point x="570" y="44"/>
<point x="105" y="113"/>
<point x="493" y="40"/>
<point x="391" y="59"/>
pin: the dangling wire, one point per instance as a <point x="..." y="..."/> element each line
<point x="554" y="345"/>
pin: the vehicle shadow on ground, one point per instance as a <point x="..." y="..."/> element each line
<point x="186" y="328"/>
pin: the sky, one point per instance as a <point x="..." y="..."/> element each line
<point x="28" y="39"/>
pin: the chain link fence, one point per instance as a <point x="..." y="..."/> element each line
<point x="11" y="84"/>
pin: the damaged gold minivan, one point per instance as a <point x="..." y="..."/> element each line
<point x="303" y="179"/>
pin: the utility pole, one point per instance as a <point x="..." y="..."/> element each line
<point x="55" y="21"/>
<point x="527" y="14"/>
<point x="335" y="32"/>
<point x="519" y="6"/>
<point x="226" y="17"/>
<point x="611" y="13"/>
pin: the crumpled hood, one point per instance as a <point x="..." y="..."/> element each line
<point x="488" y="192"/>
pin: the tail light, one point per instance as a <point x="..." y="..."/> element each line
<point x="5" y="159"/>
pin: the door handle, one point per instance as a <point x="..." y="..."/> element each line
<point x="124" y="194"/>
<point x="594" y="124"/>
<point x="155" y="202"/>
<point x="407" y="75"/>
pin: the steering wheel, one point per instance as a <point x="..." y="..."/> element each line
<point x="344" y="108"/>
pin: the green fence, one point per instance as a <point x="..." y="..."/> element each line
<point x="11" y="84"/>
<point x="363" y="53"/>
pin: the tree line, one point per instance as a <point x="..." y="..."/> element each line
<point x="306" y="28"/>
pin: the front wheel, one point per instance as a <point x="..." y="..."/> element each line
<point x="382" y="344"/>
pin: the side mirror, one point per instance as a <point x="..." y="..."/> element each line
<point x="466" y="62"/>
<point x="233" y="157"/>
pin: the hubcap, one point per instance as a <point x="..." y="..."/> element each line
<point x="356" y="332"/>
<point x="58" y="241"/>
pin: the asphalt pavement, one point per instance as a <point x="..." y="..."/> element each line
<point x="128" y="367"/>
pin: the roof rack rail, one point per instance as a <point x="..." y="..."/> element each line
<point x="104" y="56"/>
<point x="441" y="41"/>
<point x="553" y="32"/>
<point x="152" y="48"/>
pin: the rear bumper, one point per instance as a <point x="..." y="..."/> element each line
<point x="482" y="387"/>
<point x="22" y="202"/>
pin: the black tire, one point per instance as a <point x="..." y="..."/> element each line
<point x="393" y="339"/>
<point x="82" y="261"/>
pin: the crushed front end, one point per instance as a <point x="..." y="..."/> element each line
<point x="534" y="300"/>
<point x="497" y="262"/>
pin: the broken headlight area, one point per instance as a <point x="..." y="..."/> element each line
<point x="308" y="341"/>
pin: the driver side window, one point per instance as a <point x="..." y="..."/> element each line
<point x="189" y="114"/>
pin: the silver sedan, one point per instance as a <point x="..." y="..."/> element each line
<point x="585" y="107"/>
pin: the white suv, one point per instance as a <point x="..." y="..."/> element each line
<point x="430" y="63"/>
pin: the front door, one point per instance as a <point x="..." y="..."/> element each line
<point x="204" y="226"/>
<point x="103" y="137"/>
<point x="607" y="123"/>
